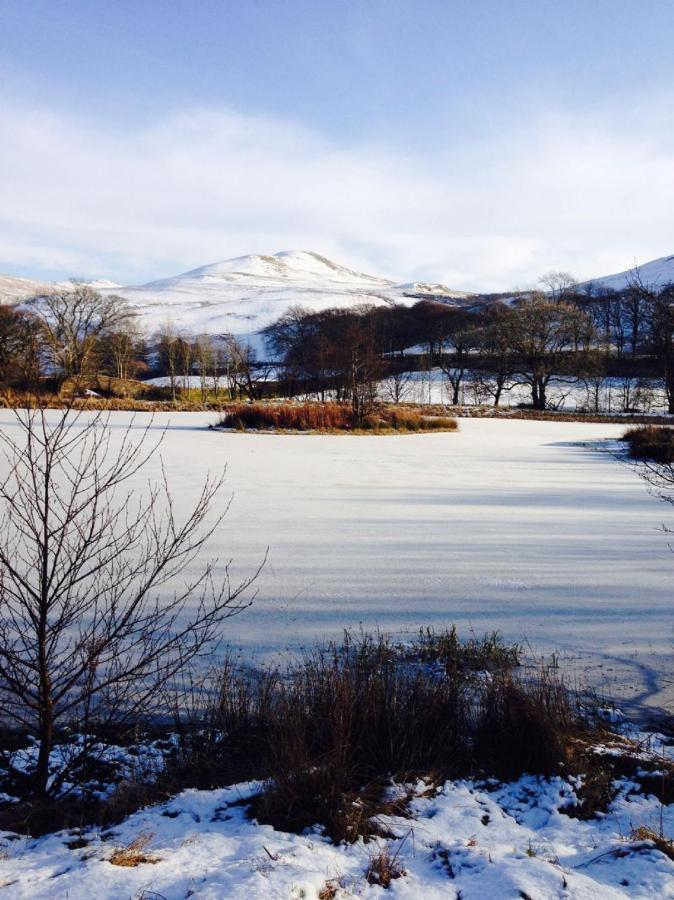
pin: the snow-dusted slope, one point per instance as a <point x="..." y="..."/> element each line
<point x="14" y="290"/>
<point x="245" y="294"/>
<point x="657" y="273"/>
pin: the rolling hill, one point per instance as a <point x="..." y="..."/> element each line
<point x="656" y="274"/>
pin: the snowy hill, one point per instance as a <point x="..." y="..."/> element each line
<point x="655" y="274"/>
<point x="245" y="294"/>
<point x="14" y="290"/>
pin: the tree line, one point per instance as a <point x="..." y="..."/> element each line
<point x="559" y="336"/>
<point x="76" y="333"/>
<point x="360" y="355"/>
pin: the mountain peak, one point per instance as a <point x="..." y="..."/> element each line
<point x="297" y="265"/>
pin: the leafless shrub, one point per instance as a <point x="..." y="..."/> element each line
<point x="93" y="627"/>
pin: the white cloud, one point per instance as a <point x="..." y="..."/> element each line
<point x="587" y="194"/>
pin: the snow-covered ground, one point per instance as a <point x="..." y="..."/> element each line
<point x="532" y="528"/>
<point x="612" y="395"/>
<point x="656" y="274"/>
<point x="471" y="841"/>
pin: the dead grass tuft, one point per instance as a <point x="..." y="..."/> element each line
<point x="134" y="853"/>
<point x="651" y="443"/>
<point x="659" y="841"/>
<point x="384" y="867"/>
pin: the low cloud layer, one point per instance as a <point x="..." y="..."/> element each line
<point x="589" y="194"/>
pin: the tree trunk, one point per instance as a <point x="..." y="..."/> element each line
<point x="46" y="736"/>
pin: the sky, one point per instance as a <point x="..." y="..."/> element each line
<point x="479" y="143"/>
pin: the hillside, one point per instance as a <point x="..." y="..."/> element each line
<point x="657" y="273"/>
<point x="245" y="294"/>
<point x="14" y="289"/>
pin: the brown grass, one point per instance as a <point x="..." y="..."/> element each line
<point x="659" y="841"/>
<point x="134" y="853"/>
<point x="346" y="720"/>
<point x="328" y="417"/>
<point x="384" y="867"/>
<point x="651" y="442"/>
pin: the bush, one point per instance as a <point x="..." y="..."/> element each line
<point x="328" y="417"/>
<point x="287" y="416"/>
<point x="347" y="719"/>
<point x="651" y="443"/>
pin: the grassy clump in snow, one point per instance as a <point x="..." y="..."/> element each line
<point x="651" y="443"/>
<point x="345" y="720"/>
<point x="330" y="417"/>
<point x="489" y="653"/>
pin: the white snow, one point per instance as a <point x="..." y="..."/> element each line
<point x="14" y="289"/>
<point x="471" y="840"/>
<point x="656" y="274"/>
<point x="432" y="386"/>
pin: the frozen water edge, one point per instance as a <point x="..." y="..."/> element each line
<point x="528" y="527"/>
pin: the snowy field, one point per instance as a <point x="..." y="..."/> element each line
<point x="532" y="528"/>
<point x="612" y="395"/>
<point x="470" y="841"/>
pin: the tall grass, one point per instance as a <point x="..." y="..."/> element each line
<point x="329" y="732"/>
<point x="651" y="443"/>
<point x="328" y="417"/>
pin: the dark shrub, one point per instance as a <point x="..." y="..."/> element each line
<point x="651" y="442"/>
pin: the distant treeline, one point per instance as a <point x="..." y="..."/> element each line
<point x="533" y="339"/>
<point x="364" y="354"/>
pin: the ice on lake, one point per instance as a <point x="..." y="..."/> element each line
<point x="531" y="528"/>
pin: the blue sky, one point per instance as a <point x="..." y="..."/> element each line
<point x="479" y="143"/>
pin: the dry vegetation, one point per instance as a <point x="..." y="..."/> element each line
<point x="337" y="736"/>
<point x="134" y="854"/>
<point x="652" y="443"/>
<point x="330" y="417"/>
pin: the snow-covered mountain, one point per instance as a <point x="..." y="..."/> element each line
<point x="243" y="295"/>
<point x="656" y="274"/>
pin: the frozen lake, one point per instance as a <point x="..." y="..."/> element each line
<point x="532" y="528"/>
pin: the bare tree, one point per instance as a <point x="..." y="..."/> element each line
<point x="74" y="321"/>
<point x="168" y="346"/>
<point x="397" y="385"/>
<point x="95" y="618"/>
<point x="548" y="340"/>
<point x="459" y="337"/>
<point x="494" y="341"/>
<point x="121" y="350"/>
<point x="560" y="285"/>
<point x="246" y="374"/>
